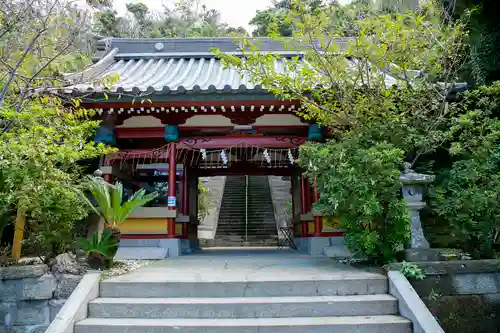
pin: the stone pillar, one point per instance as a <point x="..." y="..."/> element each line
<point x="413" y="186"/>
<point x="172" y="199"/>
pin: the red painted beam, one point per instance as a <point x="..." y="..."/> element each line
<point x="220" y="142"/>
<point x="263" y="172"/>
<point x="159" y="132"/>
<point x="140" y="133"/>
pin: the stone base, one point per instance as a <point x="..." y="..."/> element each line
<point x="429" y="255"/>
<point x="189" y="245"/>
<point x="207" y="242"/>
<point x="141" y="253"/>
<point x="172" y="245"/>
<point x="322" y="246"/>
<point x="338" y="252"/>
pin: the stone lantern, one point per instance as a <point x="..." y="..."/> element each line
<point x="413" y="186"/>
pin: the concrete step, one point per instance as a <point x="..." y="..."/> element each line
<point x="364" y="324"/>
<point x="254" y="307"/>
<point x="341" y="284"/>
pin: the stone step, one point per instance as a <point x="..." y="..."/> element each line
<point x="361" y="324"/>
<point x="342" y="284"/>
<point x="238" y="226"/>
<point x="249" y="243"/>
<point x="239" y="236"/>
<point x="254" y="307"/>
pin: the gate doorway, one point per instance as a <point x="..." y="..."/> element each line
<point x="247" y="216"/>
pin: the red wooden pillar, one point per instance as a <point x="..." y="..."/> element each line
<point x="318" y="223"/>
<point x="303" y="201"/>
<point x="185" y="191"/>
<point x="185" y="202"/>
<point x="172" y="199"/>
<point x="303" y="195"/>
<point x="108" y="177"/>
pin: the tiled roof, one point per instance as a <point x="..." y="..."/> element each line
<point x="173" y="66"/>
<point x="177" y="75"/>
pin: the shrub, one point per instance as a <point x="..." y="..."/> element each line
<point x="362" y="187"/>
<point x="467" y="195"/>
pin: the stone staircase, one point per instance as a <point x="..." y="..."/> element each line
<point x="231" y="227"/>
<point x="269" y="303"/>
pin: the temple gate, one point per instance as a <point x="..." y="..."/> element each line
<point x="176" y="114"/>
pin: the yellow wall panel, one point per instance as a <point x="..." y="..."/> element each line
<point x="178" y="228"/>
<point x="310" y="227"/>
<point x="144" y="225"/>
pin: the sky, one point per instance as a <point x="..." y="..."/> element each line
<point x="234" y="12"/>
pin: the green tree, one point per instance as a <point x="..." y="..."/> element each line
<point x="42" y="137"/>
<point x="183" y="18"/>
<point x="483" y="66"/>
<point x="467" y="194"/>
<point x="380" y="95"/>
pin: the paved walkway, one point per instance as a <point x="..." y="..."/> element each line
<point x="244" y="264"/>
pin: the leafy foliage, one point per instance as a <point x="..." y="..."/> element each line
<point x="467" y="195"/>
<point x="379" y="95"/>
<point x="101" y="250"/>
<point x="104" y="246"/>
<point x="483" y="65"/>
<point x="43" y="139"/>
<point x="184" y="18"/>
<point x="361" y="186"/>
<point x="110" y="204"/>
<point x="279" y="19"/>
<point x="412" y="271"/>
<point x="203" y="193"/>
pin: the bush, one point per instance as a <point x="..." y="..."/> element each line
<point x="362" y="187"/>
<point x="467" y="195"/>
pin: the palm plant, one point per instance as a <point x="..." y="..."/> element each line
<point x="99" y="252"/>
<point x="111" y="206"/>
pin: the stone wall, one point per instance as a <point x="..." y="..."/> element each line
<point x="207" y="227"/>
<point x="280" y="193"/>
<point x="31" y="296"/>
<point x="464" y="295"/>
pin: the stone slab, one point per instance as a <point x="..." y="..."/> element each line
<point x="41" y="288"/>
<point x="21" y="272"/>
<point x="55" y="306"/>
<point x="10" y="290"/>
<point x="25" y="329"/>
<point x="32" y="313"/>
<point x="411" y="306"/>
<point x="173" y="245"/>
<point x="139" y="243"/>
<point x="141" y="253"/>
<point x="66" y="283"/>
<point x="240" y="307"/>
<point x="453" y="267"/>
<point x="28" y="289"/>
<point x="76" y="307"/>
<point x="337" y="252"/>
<point x="375" y="324"/>
<point x="468" y="284"/>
